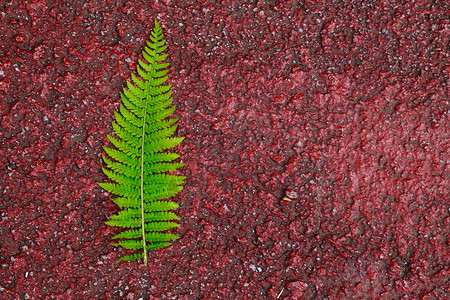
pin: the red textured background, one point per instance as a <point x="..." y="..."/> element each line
<point x="342" y="107"/>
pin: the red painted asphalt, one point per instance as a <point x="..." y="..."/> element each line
<point x="316" y="150"/>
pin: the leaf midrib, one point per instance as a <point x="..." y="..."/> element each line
<point x="147" y="89"/>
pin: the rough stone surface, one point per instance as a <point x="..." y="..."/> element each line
<point x="316" y="150"/>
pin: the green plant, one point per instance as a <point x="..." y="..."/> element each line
<point x="140" y="160"/>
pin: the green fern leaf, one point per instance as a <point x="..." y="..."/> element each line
<point x="138" y="162"/>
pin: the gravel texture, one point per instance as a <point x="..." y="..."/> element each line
<point x="316" y="150"/>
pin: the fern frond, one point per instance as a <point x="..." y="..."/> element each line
<point x="138" y="163"/>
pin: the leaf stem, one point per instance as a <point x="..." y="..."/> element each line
<point x="142" y="176"/>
